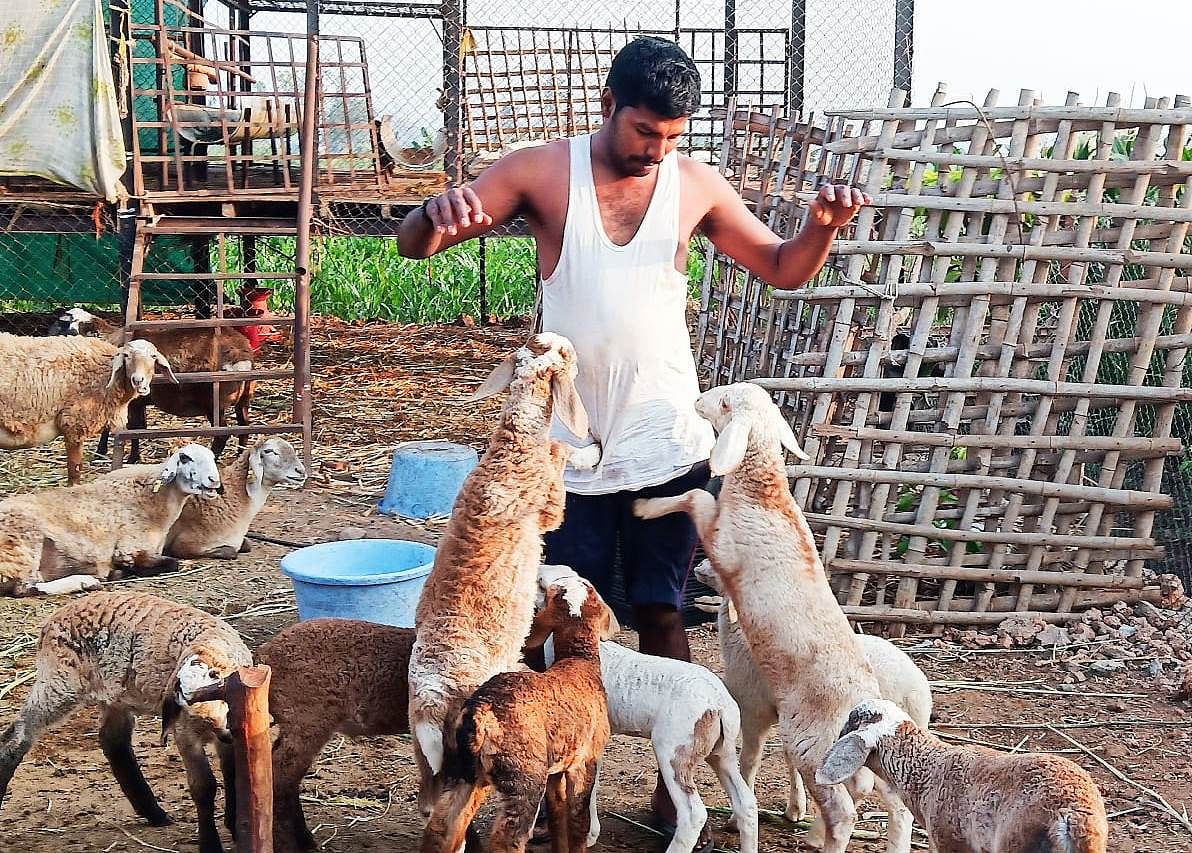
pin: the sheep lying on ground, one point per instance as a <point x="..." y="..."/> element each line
<point x="69" y="387"/>
<point x="762" y="549"/>
<point x="972" y="799"/>
<point x="478" y="601"/>
<point x="689" y="717"/>
<point x="362" y="693"/>
<point x="133" y="653"/>
<point x="189" y="351"/>
<point x="526" y="733"/>
<point x="215" y="529"/>
<point x="898" y="679"/>
<point x="67" y="539"/>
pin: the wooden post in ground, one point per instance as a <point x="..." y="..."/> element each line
<point x="247" y="693"/>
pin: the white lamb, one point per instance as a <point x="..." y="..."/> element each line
<point x="899" y="680"/>
<point x="763" y="550"/>
<point x="687" y="714"/>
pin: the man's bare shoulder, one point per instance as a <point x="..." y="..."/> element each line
<point x="702" y="181"/>
<point x="537" y="158"/>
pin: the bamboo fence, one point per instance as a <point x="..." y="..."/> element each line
<point x="987" y="371"/>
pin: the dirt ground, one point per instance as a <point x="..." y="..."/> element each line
<point x="381" y="384"/>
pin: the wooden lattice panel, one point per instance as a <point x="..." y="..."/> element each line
<point x="987" y="372"/>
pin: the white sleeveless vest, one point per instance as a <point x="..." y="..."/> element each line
<point x="624" y="308"/>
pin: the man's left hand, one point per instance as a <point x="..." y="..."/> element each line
<point x="836" y="205"/>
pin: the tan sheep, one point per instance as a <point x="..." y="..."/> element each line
<point x="70" y="387"/>
<point x="70" y="538"/>
<point x="765" y="555"/>
<point x="189" y="351"/>
<point x="971" y="799"/>
<point x="529" y="733"/>
<point x="215" y="529"/>
<point x="478" y="601"/>
<point x="364" y="693"/>
<point x="133" y="653"/>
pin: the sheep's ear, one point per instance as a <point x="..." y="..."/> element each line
<point x="610" y="626"/>
<point x="498" y="380"/>
<point x="256" y="471"/>
<point x="540" y="628"/>
<point x="170" y="709"/>
<point x="844" y="759"/>
<point x="117" y="364"/>
<point x="730" y="446"/>
<point x="787" y="436"/>
<point x="567" y="404"/>
<point x="165" y="365"/>
<point x="169" y="471"/>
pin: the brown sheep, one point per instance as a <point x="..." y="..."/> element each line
<point x="530" y="733"/>
<point x="189" y="351"/>
<point x="972" y="799"/>
<point x="363" y="694"/>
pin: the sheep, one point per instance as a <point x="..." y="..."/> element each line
<point x="898" y="679"/>
<point x="762" y="549"/>
<point x="972" y="799"/>
<point x="73" y="388"/>
<point x="363" y="693"/>
<point x="215" y="529"/>
<point x="189" y="351"/>
<point x="689" y="718"/>
<point x="478" y="601"/>
<point x="133" y="653"/>
<point x="68" y="539"/>
<point x="529" y="733"/>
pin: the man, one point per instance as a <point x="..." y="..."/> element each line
<point x="612" y="215"/>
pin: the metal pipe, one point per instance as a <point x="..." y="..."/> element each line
<point x="310" y="156"/>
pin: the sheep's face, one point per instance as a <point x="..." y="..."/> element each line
<point x="193" y="468"/>
<point x="547" y="364"/>
<point x="73" y="321"/>
<point x="139" y="360"/>
<point x="197" y="671"/>
<point x="741" y="413"/>
<point x="868" y="722"/>
<point x="567" y="600"/>
<point x="706" y="575"/>
<point x="275" y="462"/>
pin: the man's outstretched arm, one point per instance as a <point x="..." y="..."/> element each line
<point x="467" y="211"/>
<point x="786" y="264"/>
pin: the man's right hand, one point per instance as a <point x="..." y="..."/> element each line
<point x="455" y="210"/>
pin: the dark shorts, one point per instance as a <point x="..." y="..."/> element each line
<point x="656" y="553"/>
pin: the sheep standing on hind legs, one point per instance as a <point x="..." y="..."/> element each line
<point x="529" y="733"/>
<point x="898" y="679"/>
<point x="764" y="553"/>
<point x="478" y="602"/>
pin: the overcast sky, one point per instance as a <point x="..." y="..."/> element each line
<point x="1134" y="47"/>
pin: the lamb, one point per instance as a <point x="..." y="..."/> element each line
<point x="133" y="653"/>
<point x="526" y="733"/>
<point x="689" y="717"/>
<point x="363" y="694"/>
<point x="68" y="539"/>
<point x="478" y="601"/>
<point x="762" y="549"/>
<point x="73" y="388"/>
<point x="215" y="529"/>
<point x="898" y="679"/>
<point x="189" y="351"/>
<point x="972" y="799"/>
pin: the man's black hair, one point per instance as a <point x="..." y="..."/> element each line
<point x="655" y="73"/>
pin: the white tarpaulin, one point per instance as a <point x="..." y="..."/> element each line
<point x="58" y="113"/>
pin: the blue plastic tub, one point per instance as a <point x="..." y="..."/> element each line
<point x="425" y="478"/>
<point x="377" y="580"/>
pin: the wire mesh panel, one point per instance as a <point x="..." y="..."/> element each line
<point x="988" y="372"/>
